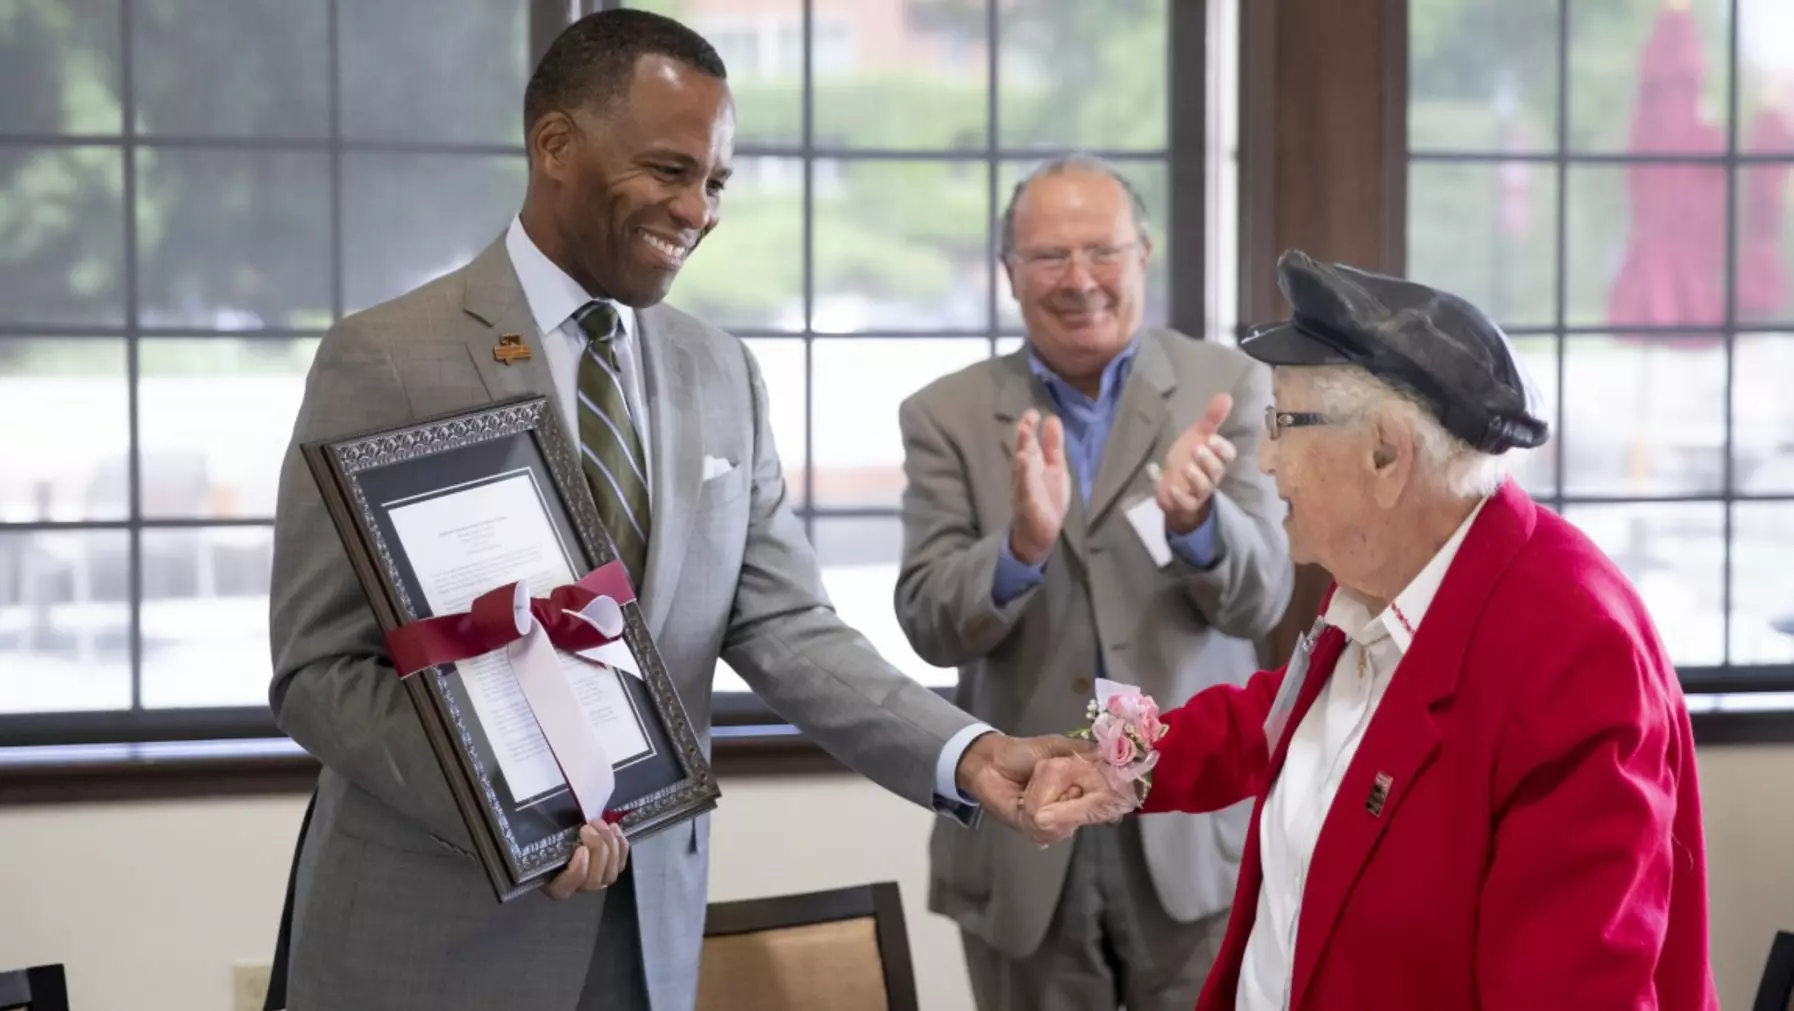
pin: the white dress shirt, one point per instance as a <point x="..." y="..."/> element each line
<point x="553" y="298"/>
<point x="1320" y="752"/>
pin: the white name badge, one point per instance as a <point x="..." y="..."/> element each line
<point x="1148" y="521"/>
<point x="1294" y="675"/>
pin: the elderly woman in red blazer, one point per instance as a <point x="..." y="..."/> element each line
<point x="1474" y="783"/>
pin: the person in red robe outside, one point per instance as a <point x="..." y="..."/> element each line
<point x="1474" y="783"/>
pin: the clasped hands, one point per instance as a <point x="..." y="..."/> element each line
<point x="1040" y="478"/>
<point x="1043" y="787"/>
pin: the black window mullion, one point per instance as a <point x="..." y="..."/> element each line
<point x="1186" y="162"/>
<point x="1619" y="159"/>
<point x="1560" y="281"/>
<point x="134" y="445"/>
<point x="806" y="149"/>
<point x="334" y="89"/>
<point x="993" y="161"/>
<point x="1730" y="331"/>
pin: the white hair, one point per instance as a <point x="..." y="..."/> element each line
<point x="1459" y="470"/>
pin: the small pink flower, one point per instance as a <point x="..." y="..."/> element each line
<point x="1118" y="750"/>
<point x="1150" y="726"/>
<point x="1125" y="707"/>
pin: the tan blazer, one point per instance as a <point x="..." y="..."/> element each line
<point x="391" y="910"/>
<point x="1026" y="667"/>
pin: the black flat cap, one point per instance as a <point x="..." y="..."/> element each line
<point x="1446" y="351"/>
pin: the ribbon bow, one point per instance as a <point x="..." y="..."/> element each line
<point x="576" y="617"/>
<point x="572" y="619"/>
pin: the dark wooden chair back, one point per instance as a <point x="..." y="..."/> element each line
<point x="39" y="988"/>
<point x="841" y="950"/>
<point x="1776" y="991"/>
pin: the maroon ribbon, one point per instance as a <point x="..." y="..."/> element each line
<point x="491" y="623"/>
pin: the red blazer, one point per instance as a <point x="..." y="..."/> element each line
<point x="1539" y="843"/>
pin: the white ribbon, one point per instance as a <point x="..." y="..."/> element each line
<point x="571" y="737"/>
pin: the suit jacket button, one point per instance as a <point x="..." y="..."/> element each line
<point x="1080" y="686"/>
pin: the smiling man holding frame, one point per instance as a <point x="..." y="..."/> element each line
<point x="629" y="126"/>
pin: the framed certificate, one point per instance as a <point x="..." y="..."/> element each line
<point x="439" y="513"/>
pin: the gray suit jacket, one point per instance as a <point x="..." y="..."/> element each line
<point x="1026" y="667"/>
<point x="391" y="911"/>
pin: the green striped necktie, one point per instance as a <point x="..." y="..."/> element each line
<point x="610" y="448"/>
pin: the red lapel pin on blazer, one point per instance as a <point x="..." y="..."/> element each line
<point x="511" y="349"/>
<point x="1379" y="794"/>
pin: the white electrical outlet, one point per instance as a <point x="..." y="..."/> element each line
<point x="249" y="986"/>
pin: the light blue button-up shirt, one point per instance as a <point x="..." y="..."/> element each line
<point x="1087" y="423"/>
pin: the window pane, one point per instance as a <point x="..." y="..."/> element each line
<point x="1646" y="245"/>
<point x="66" y="405"/>
<point x="62" y="235"/>
<point x="1762" y="599"/>
<point x="1487" y="231"/>
<point x="1766" y="76"/>
<point x="1764" y="287"/>
<point x="912" y="75"/>
<point x="901" y="245"/>
<point x="414" y="72"/>
<point x="231" y="67"/>
<point x="781" y="362"/>
<point x="234" y="239"/>
<point x="1077" y="74"/>
<point x="1151" y="179"/>
<point x="858" y="385"/>
<point x="1646" y="417"/>
<point x="762" y="46"/>
<point x="860" y="559"/>
<point x="1483" y="75"/>
<point x="749" y="272"/>
<point x="205" y="616"/>
<point x="214" y="419"/>
<point x="1763" y="414"/>
<point x="65" y="620"/>
<point x="62" y="64"/>
<point x="1005" y="345"/>
<point x="1536" y="469"/>
<point x="1647" y="77"/>
<point x="396" y="235"/>
<point x="1674" y="554"/>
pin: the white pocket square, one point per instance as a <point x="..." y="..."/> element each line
<point x="716" y="466"/>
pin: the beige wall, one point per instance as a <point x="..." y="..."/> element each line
<point x="149" y="904"/>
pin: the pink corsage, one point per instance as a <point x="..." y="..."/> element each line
<point x="1125" y="727"/>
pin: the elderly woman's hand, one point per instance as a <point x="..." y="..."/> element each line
<point x="1068" y="793"/>
<point x="1194" y="468"/>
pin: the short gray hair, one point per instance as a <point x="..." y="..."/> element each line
<point x="1060" y="165"/>
<point x="1460" y="470"/>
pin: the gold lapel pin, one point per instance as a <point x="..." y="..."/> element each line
<point x="1379" y="794"/>
<point x="511" y="349"/>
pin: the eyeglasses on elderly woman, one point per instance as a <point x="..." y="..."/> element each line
<point x="1276" y="421"/>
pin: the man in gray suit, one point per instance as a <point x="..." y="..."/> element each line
<point x="629" y="126"/>
<point x="1129" y="535"/>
